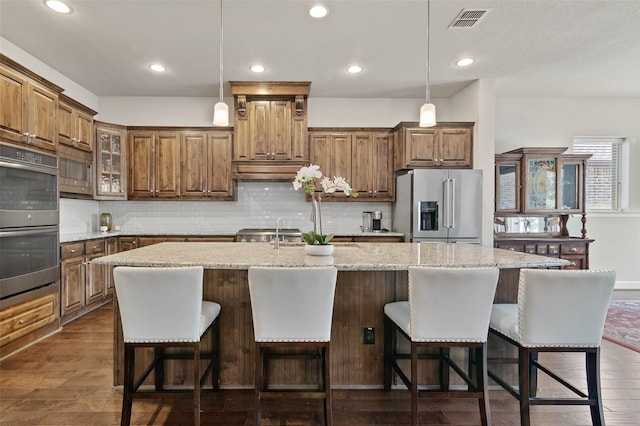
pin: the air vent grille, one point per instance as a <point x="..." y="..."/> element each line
<point x="467" y="18"/>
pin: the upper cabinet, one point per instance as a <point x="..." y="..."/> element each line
<point x="111" y="162"/>
<point x="75" y="124"/>
<point x="154" y="164"/>
<point x="206" y="165"/>
<point x="270" y="126"/>
<point x="362" y="156"/>
<point x="180" y="164"/>
<point x="28" y="107"/>
<point x="444" y="145"/>
<point x="540" y="180"/>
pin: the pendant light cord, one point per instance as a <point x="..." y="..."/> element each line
<point x="428" y="67"/>
<point x="221" y="47"/>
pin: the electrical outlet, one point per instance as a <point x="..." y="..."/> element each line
<point x="369" y="335"/>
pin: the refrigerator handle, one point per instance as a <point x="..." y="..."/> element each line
<point x="449" y="200"/>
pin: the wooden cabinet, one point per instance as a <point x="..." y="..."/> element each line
<point x="75" y="124"/>
<point x="371" y="165"/>
<point x="362" y="156"/>
<point x="270" y="126"/>
<point x="28" y="107"/>
<point x="72" y="273"/>
<point x="127" y="243"/>
<point x="83" y="284"/>
<point x="110" y="162"/>
<point x="575" y="250"/>
<point x="111" y="247"/>
<point x="28" y="317"/>
<point x="331" y="150"/>
<point x="444" y="145"/>
<point x="536" y="191"/>
<point x="154" y="164"/>
<point x="206" y="165"/>
<point x="540" y="180"/>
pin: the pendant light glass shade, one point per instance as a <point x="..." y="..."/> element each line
<point x="428" y="110"/>
<point x="427" y="115"/>
<point x="221" y="114"/>
<point x="221" y="110"/>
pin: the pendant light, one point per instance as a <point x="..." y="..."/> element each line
<point x="221" y="110"/>
<point x="428" y="110"/>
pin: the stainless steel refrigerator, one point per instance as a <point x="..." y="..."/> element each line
<point x="439" y="205"/>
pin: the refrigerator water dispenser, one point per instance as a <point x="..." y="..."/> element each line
<point x="428" y="215"/>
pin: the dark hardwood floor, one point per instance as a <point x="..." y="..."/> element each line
<point x="66" y="379"/>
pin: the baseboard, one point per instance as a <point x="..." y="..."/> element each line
<point x="627" y="285"/>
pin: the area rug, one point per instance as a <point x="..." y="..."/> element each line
<point x="622" y="325"/>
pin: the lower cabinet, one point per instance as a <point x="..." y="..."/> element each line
<point x="575" y="250"/>
<point x="83" y="284"/>
<point x="27" y="317"/>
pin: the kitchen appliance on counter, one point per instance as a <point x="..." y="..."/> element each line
<point x="376" y="221"/>
<point x="265" y="235"/>
<point x="29" y="220"/>
<point x="371" y="221"/>
<point x="439" y="205"/>
<point x="367" y="222"/>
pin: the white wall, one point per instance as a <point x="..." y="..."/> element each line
<point x="477" y="103"/>
<point x="525" y="122"/>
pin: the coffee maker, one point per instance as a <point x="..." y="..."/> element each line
<point x="376" y="221"/>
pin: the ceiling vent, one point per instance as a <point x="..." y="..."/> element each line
<point x="468" y="18"/>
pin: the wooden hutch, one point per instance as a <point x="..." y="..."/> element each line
<point x="537" y="190"/>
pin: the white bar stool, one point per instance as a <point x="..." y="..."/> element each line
<point x="447" y="307"/>
<point x="557" y="311"/>
<point x="292" y="308"/>
<point x="160" y="308"/>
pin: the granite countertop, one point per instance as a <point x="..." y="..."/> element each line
<point x="347" y="256"/>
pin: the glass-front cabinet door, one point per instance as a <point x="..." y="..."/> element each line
<point x="508" y="183"/>
<point x="111" y="165"/>
<point x="541" y="186"/>
<point x="572" y="188"/>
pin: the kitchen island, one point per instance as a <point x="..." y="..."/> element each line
<point x="369" y="275"/>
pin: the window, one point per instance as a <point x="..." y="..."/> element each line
<point x="606" y="171"/>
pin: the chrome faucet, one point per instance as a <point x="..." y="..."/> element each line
<point x="279" y="221"/>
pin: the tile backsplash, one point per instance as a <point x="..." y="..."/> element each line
<point x="258" y="205"/>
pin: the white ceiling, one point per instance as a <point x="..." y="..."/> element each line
<point x="541" y="48"/>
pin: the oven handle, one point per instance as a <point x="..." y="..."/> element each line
<point x="29" y="231"/>
<point x="30" y="167"/>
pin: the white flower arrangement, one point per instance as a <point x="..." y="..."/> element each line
<point x="307" y="176"/>
<point x="306" y="179"/>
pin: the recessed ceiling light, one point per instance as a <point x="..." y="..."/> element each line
<point x="354" y="69"/>
<point x="157" y="68"/>
<point x="257" y="68"/>
<point x="318" y="11"/>
<point x="464" y="62"/>
<point x="57" y="6"/>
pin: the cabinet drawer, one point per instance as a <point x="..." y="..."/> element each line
<point x="22" y="319"/>
<point x="542" y="249"/>
<point x="510" y="246"/>
<point x="94" y="247"/>
<point x="554" y="249"/>
<point x="530" y="248"/>
<point x="70" y="250"/>
<point x="573" y="249"/>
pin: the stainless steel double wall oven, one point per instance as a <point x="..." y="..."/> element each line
<point x="29" y="220"/>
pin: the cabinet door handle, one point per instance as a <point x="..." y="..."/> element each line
<point x="573" y="249"/>
<point x="73" y="251"/>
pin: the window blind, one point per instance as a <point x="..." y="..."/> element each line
<point x="603" y="173"/>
